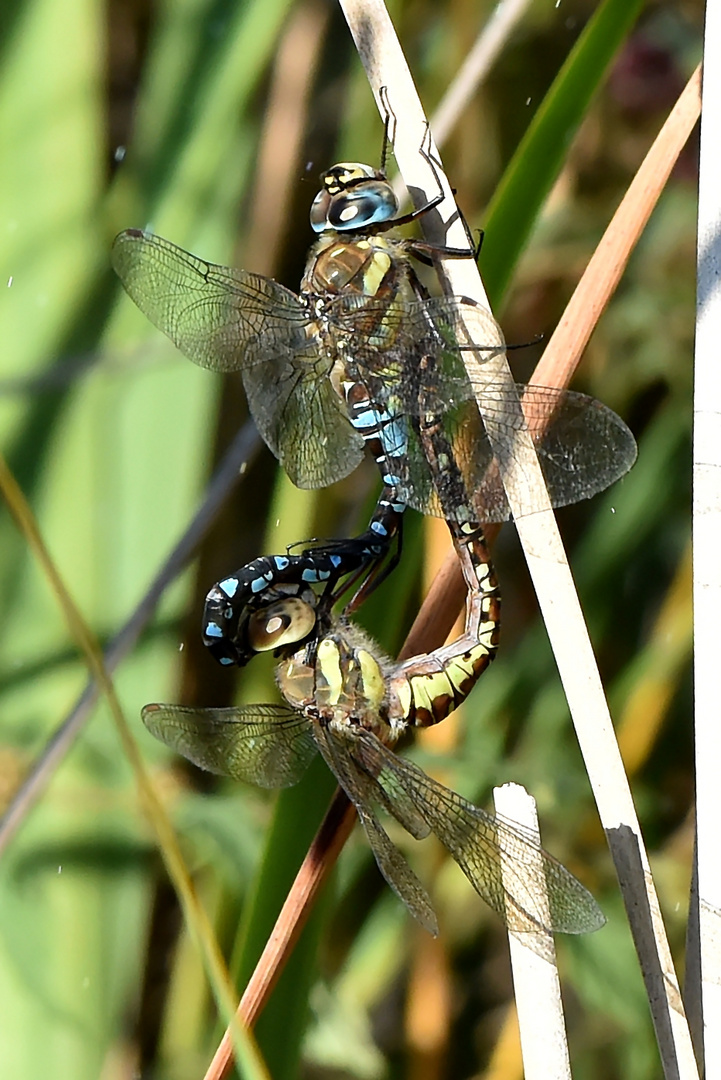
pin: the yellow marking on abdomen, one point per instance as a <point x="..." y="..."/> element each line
<point x="433" y="697"/>
<point x="437" y="694"/>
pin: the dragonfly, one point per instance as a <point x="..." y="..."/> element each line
<point x="354" y="361"/>
<point x="351" y="704"/>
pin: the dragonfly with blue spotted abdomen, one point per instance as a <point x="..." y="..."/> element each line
<point x="345" y="363"/>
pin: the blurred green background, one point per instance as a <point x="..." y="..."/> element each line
<point x="210" y="120"/>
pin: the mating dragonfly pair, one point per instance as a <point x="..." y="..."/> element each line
<point x="364" y="357"/>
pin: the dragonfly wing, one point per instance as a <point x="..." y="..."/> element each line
<point x="583" y="446"/>
<point x="499" y="859"/>
<point x="415" y="349"/>
<point x="369" y="754"/>
<point x="469" y="489"/>
<point x="397" y="872"/>
<point x="502" y="864"/>
<point x="267" y="745"/>
<point x="407" y="357"/>
<point x="212" y="313"/>
<point x="301" y="418"/>
<point x="338" y="750"/>
<point x="232" y="320"/>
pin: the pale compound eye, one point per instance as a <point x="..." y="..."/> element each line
<point x="281" y="623"/>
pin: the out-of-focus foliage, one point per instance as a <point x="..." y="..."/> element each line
<point x="156" y="115"/>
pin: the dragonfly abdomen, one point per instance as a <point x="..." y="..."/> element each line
<point x="428" y="697"/>
<point x="384" y="434"/>
<point x="424" y="692"/>
<point x="231" y="602"/>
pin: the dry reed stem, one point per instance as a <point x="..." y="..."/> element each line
<point x="495" y="33"/>
<point x="608" y="262"/>
<point x="565" y="348"/>
<point x="703" y="972"/>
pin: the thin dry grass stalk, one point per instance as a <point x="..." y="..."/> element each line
<point x="608" y="262"/>
<point x="239" y="454"/>
<point x="474" y="69"/>
<point x="703" y="972"/>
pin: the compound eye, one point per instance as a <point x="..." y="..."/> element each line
<point x="353" y="197"/>
<point x="369" y="203"/>
<point x="281" y="623"/>
<point x="319" y="211"/>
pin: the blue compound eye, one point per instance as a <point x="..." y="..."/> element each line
<point x="352" y="198"/>
<point x="281" y="623"/>
<point x="367" y="204"/>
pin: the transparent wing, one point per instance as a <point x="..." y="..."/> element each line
<point x="583" y="447"/>
<point x="396" y="870"/>
<point x="336" y="748"/>
<point x="267" y="745"/>
<point x="416" y="368"/>
<point x="214" y="314"/>
<point x="302" y="419"/>
<point x="498" y="858"/>
<point x="232" y="320"/>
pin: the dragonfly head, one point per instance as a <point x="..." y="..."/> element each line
<point x="353" y="196"/>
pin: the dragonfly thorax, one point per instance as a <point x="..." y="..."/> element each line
<point x="362" y="267"/>
<point x="341" y="683"/>
<point x="353" y="197"/>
